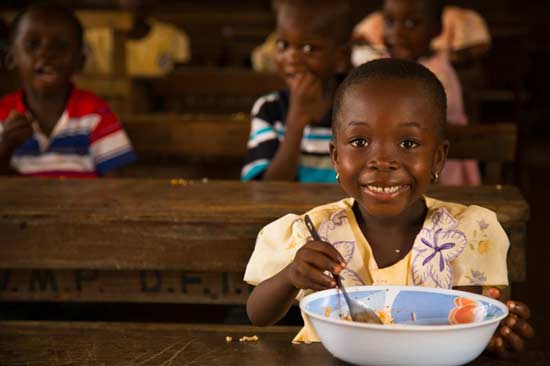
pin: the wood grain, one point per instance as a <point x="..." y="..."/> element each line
<point x="64" y="343"/>
<point x="130" y="224"/>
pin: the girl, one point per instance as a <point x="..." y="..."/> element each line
<point x="389" y="146"/>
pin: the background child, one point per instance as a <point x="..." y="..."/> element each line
<point x="465" y="36"/>
<point x="409" y="28"/>
<point x="153" y="48"/>
<point x="291" y="129"/>
<point x="389" y="145"/>
<point x="49" y="128"/>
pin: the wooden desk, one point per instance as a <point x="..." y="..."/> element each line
<point x="52" y="344"/>
<point x="167" y="241"/>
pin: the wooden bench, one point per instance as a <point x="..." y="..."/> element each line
<point x="168" y="241"/>
<point x="181" y="143"/>
<point x="85" y="343"/>
<point x="213" y="90"/>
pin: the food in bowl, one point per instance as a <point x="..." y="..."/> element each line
<point x="424" y="326"/>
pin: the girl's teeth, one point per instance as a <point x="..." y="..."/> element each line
<point x="384" y="189"/>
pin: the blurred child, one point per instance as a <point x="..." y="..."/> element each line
<point x="153" y="48"/>
<point x="410" y="26"/>
<point x="291" y="129"/>
<point x="389" y="146"/>
<point x="50" y="128"/>
<point x="464" y="36"/>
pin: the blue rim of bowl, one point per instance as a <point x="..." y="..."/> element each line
<point x="404" y="327"/>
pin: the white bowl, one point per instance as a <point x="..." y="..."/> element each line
<point x="421" y="333"/>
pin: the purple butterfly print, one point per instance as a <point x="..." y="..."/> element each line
<point x="336" y="219"/>
<point x="437" y="244"/>
<point x="346" y="248"/>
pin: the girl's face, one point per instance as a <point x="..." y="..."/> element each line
<point x="46" y="51"/>
<point x="387" y="146"/>
<point x="301" y="47"/>
<point x="408" y="29"/>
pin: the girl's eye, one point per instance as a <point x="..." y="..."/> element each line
<point x="307" y="48"/>
<point x="408" y="144"/>
<point x="359" y="142"/>
<point x="281" y="45"/>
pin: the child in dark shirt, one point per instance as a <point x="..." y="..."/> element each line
<point x="291" y="129"/>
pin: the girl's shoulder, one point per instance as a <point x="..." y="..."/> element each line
<point x="465" y="215"/>
<point x="293" y="224"/>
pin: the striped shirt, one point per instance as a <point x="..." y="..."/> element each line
<point x="268" y="130"/>
<point x="87" y="141"/>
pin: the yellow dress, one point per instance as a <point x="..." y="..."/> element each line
<point x="154" y="55"/>
<point x="457" y="246"/>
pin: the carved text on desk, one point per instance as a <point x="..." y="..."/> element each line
<point x="130" y="286"/>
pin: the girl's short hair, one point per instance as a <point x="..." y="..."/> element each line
<point x="394" y="69"/>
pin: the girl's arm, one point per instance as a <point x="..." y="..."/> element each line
<point x="272" y="298"/>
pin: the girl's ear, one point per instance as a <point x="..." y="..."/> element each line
<point x="333" y="154"/>
<point x="440" y="156"/>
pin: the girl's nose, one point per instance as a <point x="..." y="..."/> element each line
<point x="382" y="160"/>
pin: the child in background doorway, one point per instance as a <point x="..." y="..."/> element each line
<point x="389" y="146"/>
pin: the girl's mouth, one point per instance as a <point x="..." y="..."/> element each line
<point x="385" y="193"/>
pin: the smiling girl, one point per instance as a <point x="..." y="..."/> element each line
<point x="389" y="146"/>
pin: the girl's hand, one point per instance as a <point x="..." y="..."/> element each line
<point x="514" y="330"/>
<point x="17" y="130"/>
<point x="306" y="97"/>
<point x="310" y="263"/>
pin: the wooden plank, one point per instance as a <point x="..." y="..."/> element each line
<point x="123" y="286"/>
<point x="183" y="136"/>
<point x="129" y="224"/>
<point x="98" y="343"/>
<point x="487" y="142"/>
<point x="217" y="81"/>
<point x="203" y="135"/>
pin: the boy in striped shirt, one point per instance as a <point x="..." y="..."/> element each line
<point x="291" y="129"/>
<point x="49" y="128"/>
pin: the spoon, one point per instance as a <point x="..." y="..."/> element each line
<point x="358" y="311"/>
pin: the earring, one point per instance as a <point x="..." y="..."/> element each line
<point x="435" y="177"/>
<point x="338" y="177"/>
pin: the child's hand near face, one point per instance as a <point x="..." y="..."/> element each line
<point x="306" y="98"/>
<point x="514" y="330"/>
<point x="307" y="270"/>
<point x="17" y="130"/>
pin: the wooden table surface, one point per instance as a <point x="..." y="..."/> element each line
<point x="65" y="343"/>
<point x="131" y="224"/>
<point x="168" y="240"/>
